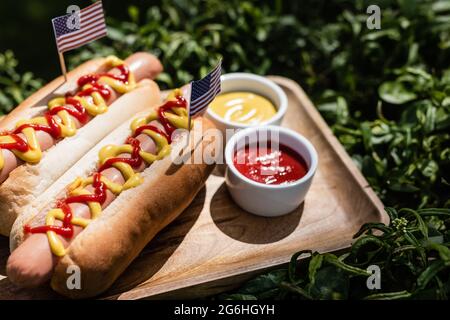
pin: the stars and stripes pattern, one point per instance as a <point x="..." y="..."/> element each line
<point x="204" y="91"/>
<point x="91" y="27"/>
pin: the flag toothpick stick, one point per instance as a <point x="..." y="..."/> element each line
<point x="189" y="129"/>
<point x="63" y="65"/>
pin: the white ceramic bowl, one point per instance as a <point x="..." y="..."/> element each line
<point x="252" y="83"/>
<point x="262" y="199"/>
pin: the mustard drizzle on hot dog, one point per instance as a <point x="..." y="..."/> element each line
<point x="92" y="104"/>
<point x="176" y="116"/>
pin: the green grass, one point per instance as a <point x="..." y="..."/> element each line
<point x="385" y="94"/>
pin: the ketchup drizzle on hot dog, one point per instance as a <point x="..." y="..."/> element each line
<point x="93" y="78"/>
<point x="78" y="111"/>
<point x="66" y="230"/>
<point x="100" y="188"/>
<point x="134" y="161"/>
<point x="19" y="143"/>
<point x="153" y="128"/>
<point x="180" y="102"/>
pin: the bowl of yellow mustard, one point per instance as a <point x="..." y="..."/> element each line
<point x="247" y="100"/>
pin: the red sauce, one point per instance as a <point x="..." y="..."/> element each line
<point x="180" y="102"/>
<point x="19" y="144"/>
<point x="77" y="110"/>
<point x="93" y="78"/>
<point x="269" y="166"/>
<point x="104" y="91"/>
<point x="153" y="128"/>
<point x="66" y="230"/>
<point x="100" y="188"/>
<point x="134" y="160"/>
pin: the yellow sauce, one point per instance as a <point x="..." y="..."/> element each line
<point x="243" y="107"/>
<point x="94" y="105"/>
<point x="178" y="117"/>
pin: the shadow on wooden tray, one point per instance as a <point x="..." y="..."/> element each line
<point x="147" y="264"/>
<point x="246" y="227"/>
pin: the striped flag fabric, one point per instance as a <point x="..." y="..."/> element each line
<point x="70" y="35"/>
<point x="204" y="91"/>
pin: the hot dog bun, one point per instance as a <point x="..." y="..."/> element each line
<point x="109" y="244"/>
<point x="38" y="100"/>
<point x="28" y="181"/>
<point x="35" y="103"/>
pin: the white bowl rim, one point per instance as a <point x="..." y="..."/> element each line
<point x="309" y="146"/>
<point x="281" y="109"/>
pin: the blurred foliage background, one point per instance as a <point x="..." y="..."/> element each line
<point x="385" y="94"/>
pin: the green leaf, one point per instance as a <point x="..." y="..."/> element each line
<point x="293" y="264"/>
<point x="392" y="213"/>
<point x="314" y="264"/>
<point x="420" y="72"/>
<point x="263" y="283"/>
<point x="444" y="252"/>
<point x="440" y="6"/>
<point x="392" y="34"/>
<point x="434" y="212"/>
<point x="395" y="93"/>
<point x="389" y="296"/>
<point x="331" y="283"/>
<point x="421" y="224"/>
<point x="362" y="245"/>
<point x="295" y="290"/>
<point x="332" y="259"/>
<point x="372" y="226"/>
<point x="133" y="12"/>
<point x="429" y="273"/>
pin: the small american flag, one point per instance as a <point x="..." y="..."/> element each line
<point x="91" y="26"/>
<point x="204" y="91"/>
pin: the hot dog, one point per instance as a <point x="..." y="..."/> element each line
<point x="132" y="191"/>
<point x="39" y="143"/>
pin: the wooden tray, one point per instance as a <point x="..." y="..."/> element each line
<point x="214" y="245"/>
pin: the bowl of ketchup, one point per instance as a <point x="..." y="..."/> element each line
<point x="269" y="169"/>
